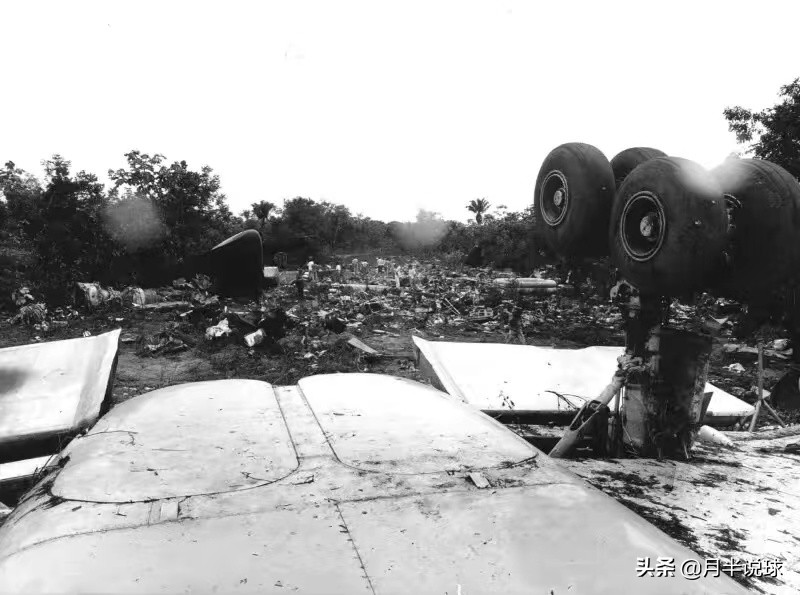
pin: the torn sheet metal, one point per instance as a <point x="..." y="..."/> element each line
<point x="49" y="392"/>
<point x="18" y="477"/>
<point x="412" y="491"/>
<point x="538" y="382"/>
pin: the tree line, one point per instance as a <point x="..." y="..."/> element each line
<point x="155" y="215"/>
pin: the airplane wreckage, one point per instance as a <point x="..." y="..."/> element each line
<point x="351" y="483"/>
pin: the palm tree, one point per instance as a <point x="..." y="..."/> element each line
<point x="261" y="210"/>
<point x="478" y="206"/>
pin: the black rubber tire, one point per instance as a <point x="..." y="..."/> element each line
<point x="684" y="241"/>
<point x="626" y="161"/>
<point x="577" y="228"/>
<point x="764" y="245"/>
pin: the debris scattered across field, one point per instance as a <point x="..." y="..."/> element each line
<point x="380" y="306"/>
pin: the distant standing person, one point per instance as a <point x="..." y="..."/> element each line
<point x="397" y="276"/>
<point x="339" y="271"/>
<point x="355" y="264"/>
<point x="300" y="284"/>
<point x="515" y="325"/>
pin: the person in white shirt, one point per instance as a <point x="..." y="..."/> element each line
<point x="312" y="269"/>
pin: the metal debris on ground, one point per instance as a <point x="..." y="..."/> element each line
<point x="362" y="346"/>
<point x="31" y="314"/>
<point x="136" y="296"/>
<point x="714" y="436"/>
<point x="165" y="343"/>
<point x="479" y="480"/>
<point x="93" y="294"/>
<point x="220" y="329"/>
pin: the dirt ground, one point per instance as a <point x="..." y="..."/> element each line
<point x="166" y="344"/>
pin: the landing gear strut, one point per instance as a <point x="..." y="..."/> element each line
<point x="661" y="385"/>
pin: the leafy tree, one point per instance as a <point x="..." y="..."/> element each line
<point x="322" y="226"/>
<point x="303" y="216"/>
<point x="506" y="239"/>
<point x="367" y="234"/>
<point x="21" y="192"/>
<point x="339" y="220"/>
<point x="65" y="226"/>
<point x="19" y="204"/>
<point x="189" y="203"/>
<point x="478" y="206"/>
<point x="773" y="133"/>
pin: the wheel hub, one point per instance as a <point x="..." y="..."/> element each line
<point x="648" y="226"/>
<point x="554" y="198"/>
<point x="642" y="226"/>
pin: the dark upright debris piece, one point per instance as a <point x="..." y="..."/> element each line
<point x="335" y="324"/>
<point x="274" y="323"/>
<point x="786" y="393"/>
<point x="237" y="265"/>
<point x="300" y="283"/>
<point x="475" y="257"/>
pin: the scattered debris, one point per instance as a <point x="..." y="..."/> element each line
<point x="165" y="306"/>
<point x="220" y="329"/>
<point x="165" y="343"/>
<point x="31" y="314"/>
<point x="362" y="346"/>
<point x="92" y="295"/>
<point x="479" y="480"/>
<point x="780" y="344"/>
<point x="255" y="338"/>
<point x="714" y="436"/>
<point x="136" y="296"/>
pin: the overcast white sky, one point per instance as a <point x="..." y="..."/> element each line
<point x="384" y="107"/>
